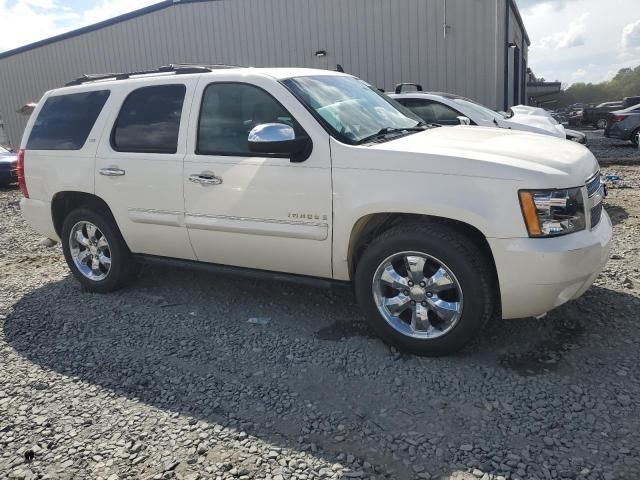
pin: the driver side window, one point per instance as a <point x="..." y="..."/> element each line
<point x="229" y="111"/>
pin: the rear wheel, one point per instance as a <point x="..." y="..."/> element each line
<point x="425" y="289"/>
<point x="601" y="124"/>
<point x="95" y="251"/>
<point x="635" y="138"/>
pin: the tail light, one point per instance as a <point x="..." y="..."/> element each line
<point x="616" y="118"/>
<point x="21" y="179"/>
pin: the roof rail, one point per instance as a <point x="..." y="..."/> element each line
<point x="175" y="68"/>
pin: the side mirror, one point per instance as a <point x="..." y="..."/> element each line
<point x="279" y="139"/>
<point x="464" y="120"/>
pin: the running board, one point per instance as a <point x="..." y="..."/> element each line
<point x="240" y="271"/>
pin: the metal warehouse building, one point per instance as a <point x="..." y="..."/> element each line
<point x="476" y="48"/>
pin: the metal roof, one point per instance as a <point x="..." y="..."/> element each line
<point x="154" y="8"/>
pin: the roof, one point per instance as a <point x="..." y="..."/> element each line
<point x="158" y="76"/>
<point x="516" y="11"/>
<point x="154" y="8"/>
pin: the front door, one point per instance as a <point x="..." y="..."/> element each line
<point x="139" y="166"/>
<point x="254" y="210"/>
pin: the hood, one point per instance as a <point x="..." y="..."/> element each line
<point x="540" y="160"/>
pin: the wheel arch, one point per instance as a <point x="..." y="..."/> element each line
<point x="370" y="226"/>
<point x="65" y="202"/>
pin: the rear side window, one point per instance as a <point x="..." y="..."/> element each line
<point x="149" y="120"/>
<point x="65" y="121"/>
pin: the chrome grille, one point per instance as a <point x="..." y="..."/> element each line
<point x="593" y="184"/>
<point x="595" y="191"/>
<point x="596" y="214"/>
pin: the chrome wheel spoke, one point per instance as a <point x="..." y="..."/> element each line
<point x="83" y="256"/>
<point x="91" y="232"/>
<point x="420" y="319"/>
<point x="95" y="265"/>
<point x="446" y="311"/>
<point x="415" y="267"/>
<point x="104" y="260"/>
<point x="102" y="243"/>
<point x="398" y="304"/>
<point x="391" y="278"/>
<point x="439" y="281"/>
<point x="81" y="239"/>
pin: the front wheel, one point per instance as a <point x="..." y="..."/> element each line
<point x="426" y="289"/>
<point x="95" y="251"/>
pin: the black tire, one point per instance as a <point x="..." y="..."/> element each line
<point x="601" y="124"/>
<point x="635" y="137"/>
<point x="123" y="267"/>
<point x="463" y="258"/>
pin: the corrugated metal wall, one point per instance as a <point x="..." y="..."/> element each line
<point x="383" y="41"/>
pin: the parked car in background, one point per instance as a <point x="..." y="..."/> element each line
<point x="630" y="102"/>
<point x="518" y="112"/>
<point x="597" y="116"/>
<point x="449" y="109"/>
<point x="316" y="176"/>
<point x="8" y="166"/>
<point x="624" y="125"/>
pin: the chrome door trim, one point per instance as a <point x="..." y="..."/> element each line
<point x="258" y="226"/>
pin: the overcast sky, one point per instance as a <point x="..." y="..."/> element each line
<point x="572" y="40"/>
<point x="582" y="40"/>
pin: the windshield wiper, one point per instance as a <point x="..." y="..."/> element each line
<point x="390" y="131"/>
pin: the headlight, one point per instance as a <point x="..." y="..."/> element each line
<point x="549" y="213"/>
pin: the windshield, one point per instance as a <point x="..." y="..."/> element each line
<point x="484" y="112"/>
<point x="349" y="107"/>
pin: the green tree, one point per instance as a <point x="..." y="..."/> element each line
<point x="626" y="83"/>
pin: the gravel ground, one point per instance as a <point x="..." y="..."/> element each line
<point x="188" y="375"/>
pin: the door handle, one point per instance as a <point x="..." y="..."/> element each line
<point x="205" y="179"/>
<point x="112" y="172"/>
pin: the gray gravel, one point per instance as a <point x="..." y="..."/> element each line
<point x="189" y="375"/>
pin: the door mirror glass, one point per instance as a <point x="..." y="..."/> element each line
<point x="279" y="139"/>
<point x="464" y="120"/>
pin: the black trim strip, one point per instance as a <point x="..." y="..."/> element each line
<point x="241" y="271"/>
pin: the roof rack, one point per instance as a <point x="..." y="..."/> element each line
<point x="177" y="69"/>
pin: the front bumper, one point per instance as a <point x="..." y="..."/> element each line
<point x="539" y="274"/>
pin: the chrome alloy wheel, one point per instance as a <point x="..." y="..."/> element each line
<point x="90" y="251"/>
<point x="417" y="295"/>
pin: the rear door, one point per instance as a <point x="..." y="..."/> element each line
<point x="139" y="164"/>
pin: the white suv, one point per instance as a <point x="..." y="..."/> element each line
<point x="313" y="174"/>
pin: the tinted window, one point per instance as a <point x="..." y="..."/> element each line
<point x="430" y="111"/>
<point x="230" y="111"/>
<point x="65" y="121"/>
<point x="149" y="120"/>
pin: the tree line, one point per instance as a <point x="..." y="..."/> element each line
<point x="626" y="83"/>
